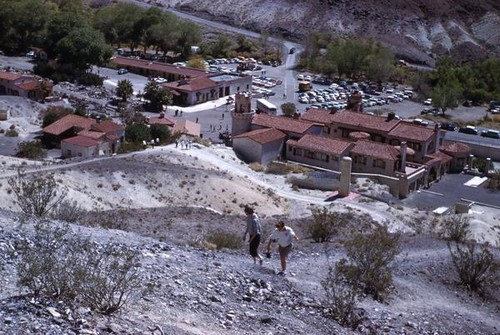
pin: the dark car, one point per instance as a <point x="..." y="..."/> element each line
<point x="122" y="71"/>
<point x="468" y="130"/>
<point x="490" y="133"/>
<point x="448" y="126"/>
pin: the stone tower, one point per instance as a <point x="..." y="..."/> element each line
<point x="242" y="114"/>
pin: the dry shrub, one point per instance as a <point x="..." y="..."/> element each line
<point x="285" y="168"/>
<point x="326" y="223"/>
<point x="476" y="267"/>
<point x="223" y="239"/>
<point x="60" y="263"/>
<point x="256" y="167"/>
<point x="367" y="267"/>
<point x="454" y="228"/>
<point x="340" y="300"/>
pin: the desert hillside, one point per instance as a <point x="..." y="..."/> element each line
<point x="419" y="30"/>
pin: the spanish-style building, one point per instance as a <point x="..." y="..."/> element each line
<point x="398" y="153"/>
<point x="189" y="86"/>
<point x="22" y="85"/>
<point x="79" y="136"/>
<point x="260" y="145"/>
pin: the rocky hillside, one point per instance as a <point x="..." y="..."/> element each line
<point x="418" y="30"/>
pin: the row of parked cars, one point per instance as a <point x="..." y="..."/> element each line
<point x="471" y="130"/>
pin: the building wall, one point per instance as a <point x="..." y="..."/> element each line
<point x="72" y="150"/>
<point x="365" y="164"/>
<point x="300" y="155"/>
<point x="271" y="151"/>
<point x="248" y="150"/>
<point x="238" y="84"/>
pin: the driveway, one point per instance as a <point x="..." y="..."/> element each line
<point x="450" y="190"/>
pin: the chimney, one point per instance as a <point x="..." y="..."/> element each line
<point x="162" y="115"/>
<point x="390" y="116"/>
<point x="437" y="136"/>
<point x="402" y="152"/>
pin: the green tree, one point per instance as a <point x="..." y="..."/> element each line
<point x="288" y="109"/>
<point x="189" y="34"/>
<point x="446" y="94"/>
<point x="83" y="47"/>
<point x="138" y="132"/>
<point x="59" y="26"/>
<point x="31" y="150"/>
<point x="124" y="89"/>
<point x="196" y="62"/>
<point x="157" y="96"/>
<point x="22" y="24"/>
<point x="117" y="23"/>
<point x="161" y="132"/>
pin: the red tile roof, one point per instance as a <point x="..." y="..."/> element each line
<point x="444" y="158"/>
<point x="82" y="141"/>
<point x="192" y="85"/>
<point x="263" y="136"/>
<point x="318" y="115"/>
<point x="157" y="66"/>
<point x="67" y="122"/>
<point x="96" y="135"/>
<point x="284" y="124"/>
<point x="9" y="75"/>
<point x="455" y="147"/>
<point x="362" y="121"/>
<point x="166" y="120"/>
<point x="376" y="150"/>
<point x="322" y="144"/>
<point x="107" y="126"/>
<point x="187" y="127"/>
<point x="30" y="84"/>
<point x="411" y="132"/>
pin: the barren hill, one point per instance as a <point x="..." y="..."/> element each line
<point x="418" y="30"/>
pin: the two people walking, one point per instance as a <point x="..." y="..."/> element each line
<point x="283" y="236"/>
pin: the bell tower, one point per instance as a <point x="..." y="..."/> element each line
<point x="242" y="114"/>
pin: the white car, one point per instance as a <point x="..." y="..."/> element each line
<point x="300" y="77"/>
<point x="428" y="102"/>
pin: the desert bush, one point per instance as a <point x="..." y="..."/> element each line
<point x="31" y="150"/>
<point x="58" y="263"/>
<point x="130" y="147"/>
<point x="476" y="267"/>
<point x="340" y="299"/>
<point x="90" y="79"/>
<point x="98" y="218"/>
<point x="494" y="180"/>
<point x="285" y="168"/>
<point x="11" y="133"/>
<point x="325" y="224"/>
<point x="369" y="257"/>
<point x="454" y="228"/>
<point x="68" y="211"/>
<point x="256" y="167"/>
<point x="36" y="194"/>
<point x="224" y="239"/>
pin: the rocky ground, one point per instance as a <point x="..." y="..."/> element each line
<point x="417" y="30"/>
<point x="167" y="202"/>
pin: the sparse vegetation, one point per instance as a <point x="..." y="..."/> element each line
<point x="58" y="263"/>
<point x="325" y="224"/>
<point x="367" y="267"/>
<point x="36" y="194"/>
<point x="31" y="150"/>
<point x="68" y="211"/>
<point x="476" y="266"/>
<point x="340" y="299"/>
<point x="285" y="168"/>
<point x="455" y="228"/>
<point x="224" y="239"/>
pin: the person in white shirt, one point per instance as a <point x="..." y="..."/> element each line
<point x="284" y="237"/>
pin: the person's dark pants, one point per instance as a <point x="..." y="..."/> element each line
<point x="254" y="246"/>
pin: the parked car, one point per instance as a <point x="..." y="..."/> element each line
<point x="429" y="110"/>
<point x="448" y="126"/>
<point x="468" y="130"/>
<point x="428" y="102"/>
<point x="490" y="133"/>
<point x="122" y="71"/>
<point x="420" y="122"/>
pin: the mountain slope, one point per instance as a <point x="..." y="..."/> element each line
<point x="418" y="30"/>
